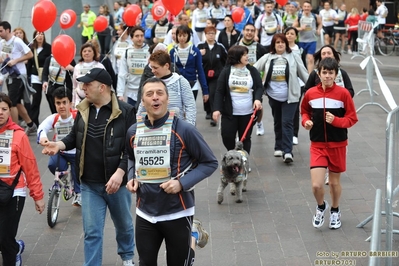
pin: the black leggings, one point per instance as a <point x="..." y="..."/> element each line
<point x="233" y="124"/>
<point x="212" y="85"/>
<point x="34" y="111"/>
<point x="9" y="221"/>
<point x="352" y="40"/>
<point x="177" y="235"/>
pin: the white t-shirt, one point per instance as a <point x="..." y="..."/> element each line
<point x="240" y="84"/>
<point x="14" y="48"/>
<point x="381" y="13"/>
<point x="327" y="17"/>
<point x="267" y="25"/>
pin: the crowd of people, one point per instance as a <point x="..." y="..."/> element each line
<point x="131" y="98"/>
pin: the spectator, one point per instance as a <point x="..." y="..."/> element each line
<point x="352" y="21"/>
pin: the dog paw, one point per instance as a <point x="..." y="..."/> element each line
<point x="220" y="198"/>
<point x="239" y="201"/>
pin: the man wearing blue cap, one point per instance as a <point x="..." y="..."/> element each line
<point x="98" y="135"/>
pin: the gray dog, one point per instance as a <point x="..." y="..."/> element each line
<point x="234" y="171"/>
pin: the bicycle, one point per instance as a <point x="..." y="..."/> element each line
<point x="387" y="45"/>
<point x="62" y="185"/>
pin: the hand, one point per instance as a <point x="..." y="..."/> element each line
<point x="155" y="40"/>
<point x="12" y="62"/>
<point x="172" y="186"/>
<point x="69" y="68"/>
<point x="114" y="183"/>
<point x="1" y="82"/>
<point x="43" y="141"/>
<point x="215" y="116"/>
<point x="203" y="51"/>
<point x="39" y="205"/>
<point x="50" y="148"/>
<point x="257" y="105"/>
<point x="205" y="98"/>
<point x="45" y="86"/>
<point x="256" y="38"/>
<point x="132" y="185"/>
<point x="329" y="117"/>
<point x="308" y="124"/>
<point x="121" y="98"/>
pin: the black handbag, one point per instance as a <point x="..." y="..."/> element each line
<point x="7" y="191"/>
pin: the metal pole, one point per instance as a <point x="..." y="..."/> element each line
<point x="376" y="230"/>
<point x="388" y="192"/>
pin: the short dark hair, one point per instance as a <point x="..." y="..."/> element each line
<point x="4" y="98"/>
<point x="328" y="63"/>
<point x="6" y="25"/>
<point x="89" y="44"/>
<point x="155" y="80"/>
<point x="235" y="53"/>
<point x="213" y="21"/>
<point x="283" y="38"/>
<point x="317" y="55"/>
<point x="62" y="92"/>
<point x="182" y="29"/>
<point x="134" y="29"/>
<point x="249" y="24"/>
<point x="291" y="28"/>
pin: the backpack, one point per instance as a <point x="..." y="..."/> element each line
<point x="57" y="116"/>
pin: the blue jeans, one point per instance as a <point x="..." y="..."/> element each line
<point x="283" y="115"/>
<point x="95" y="201"/>
<point x="64" y="158"/>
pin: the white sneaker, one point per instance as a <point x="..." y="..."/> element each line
<point x="349" y="51"/>
<point x="295" y="140"/>
<point x="77" y="201"/>
<point x="318" y="218"/>
<point x="203" y="235"/>
<point x="288" y="158"/>
<point x="278" y="153"/>
<point x="128" y="263"/>
<point x="335" y="220"/>
<point x="260" y="131"/>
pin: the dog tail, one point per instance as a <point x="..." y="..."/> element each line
<point x="239" y="146"/>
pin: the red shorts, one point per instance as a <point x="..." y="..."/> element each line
<point x="333" y="158"/>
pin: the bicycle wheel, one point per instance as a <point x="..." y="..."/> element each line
<point x="53" y="207"/>
<point x="386" y="46"/>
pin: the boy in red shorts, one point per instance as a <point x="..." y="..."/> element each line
<point x="327" y="111"/>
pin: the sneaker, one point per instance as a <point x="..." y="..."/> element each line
<point x="128" y="263"/>
<point x="213" y="123"/>
<point x="349" y="51"/>
<point x="202" y="234"/>
<point x="208" y="116"/>
<point x="295" y="140"/>
<point x="278" y="153"/>
<point x="260" y="131"/>
<point x="18" y="260"/>
<point x="77" y="201"/>
<point x="326" y="178"/>
<point x="318" y="218"/>
<point x="335" y="220"/>
<point x="31" y="130"/>
<point x="288" y="158"/>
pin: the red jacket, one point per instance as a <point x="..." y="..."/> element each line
<point x="336" y="100"/>
<point x="23" y="157"/>
<point x="352" y="21"/>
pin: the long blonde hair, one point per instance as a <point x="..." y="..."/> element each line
<point x="354" y="11"/>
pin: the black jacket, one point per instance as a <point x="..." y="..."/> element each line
<point x="46" y="72"/>
<point x="41" y="58"/>
<point x="113" y="149"/>
<point x="214" y="59"/>
<point x="223" y="102"/>
<point x="224" y="40"/>
<point x="314" y="79"/>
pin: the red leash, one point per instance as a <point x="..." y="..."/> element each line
<point x="248" y="126"/>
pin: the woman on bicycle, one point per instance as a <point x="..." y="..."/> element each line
<point x="20" y="168"/>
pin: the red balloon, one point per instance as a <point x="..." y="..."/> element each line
<point x="100" y="24"/>
<point x="282" y="2"/>
<point x="44" y="14"/>
<point x="131" y="14"/>
<point x="174" y="6"/>
<point x="67" y="19"/>
<point x="238" y="14"/>
<point x="63" y="49"/>
<point x="158" y="10"/>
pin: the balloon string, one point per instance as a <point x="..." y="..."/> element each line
<point x="110" y="50"/>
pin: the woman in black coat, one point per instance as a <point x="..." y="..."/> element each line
<point x="229" y="35"/>
<point x="214" y="57"/>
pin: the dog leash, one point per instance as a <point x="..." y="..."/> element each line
<point x="248" y="126"/>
